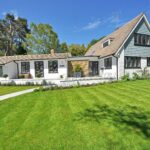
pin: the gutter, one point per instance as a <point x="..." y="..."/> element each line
<point x="117" y="66"/>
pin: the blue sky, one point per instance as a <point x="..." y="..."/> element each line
<point x="77" y="21"/>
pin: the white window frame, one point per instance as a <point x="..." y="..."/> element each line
<point x="109" y="41"/>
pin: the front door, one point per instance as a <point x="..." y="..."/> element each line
<point x="93" y="68"/>
<point x="39" y="69"/>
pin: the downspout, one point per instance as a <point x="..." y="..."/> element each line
<point x="99" y="68"/>
<point x="117" y="66"/>
<point x="17" y="68"/>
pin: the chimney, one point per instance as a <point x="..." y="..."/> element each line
<point x="52" y="52"/>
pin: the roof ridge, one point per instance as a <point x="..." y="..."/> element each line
<point x="140" y="15"/>
<point x="120" y="34"/>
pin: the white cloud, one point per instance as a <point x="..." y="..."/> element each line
<point x="92" y="25"/>
<point x="14" y="12"/>
<point x="113" y="20"/>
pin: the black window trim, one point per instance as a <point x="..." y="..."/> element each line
<point x="136" y="44"/>
<point x="107" y="68"/>
<point x="132" y="67"/>
<point x="2" y="70"/>
<point x="42" y="62"/>
<point x="52" y="72"/>
<point x="21" y="67"/>
<point x="148" y="65"/>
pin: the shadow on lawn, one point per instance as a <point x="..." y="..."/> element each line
<point x="129" y="116"/>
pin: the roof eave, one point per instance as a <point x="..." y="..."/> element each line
<point x="122" y="45"/>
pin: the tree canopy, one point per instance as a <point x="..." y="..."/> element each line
<point x="12" y="34"/>
<point x="77" y="50"/>
<point x="42" y="39"/>
<point x="93" y="42"/>
<point x="64" y="47"/>
<point x="17" y="38"/>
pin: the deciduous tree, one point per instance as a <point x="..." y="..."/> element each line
<point x="42" y="39"/>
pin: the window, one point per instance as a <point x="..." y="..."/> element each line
<point x="25" y="67"/>
<point x="148" y="61"/>
<point x="53" y="66"/>
<point x="132" y="62"/>
<point x="1" y="71"/>
<point x="105" y="44"/>
<point x="141" y="39"/>
<point x="108" y="63"/>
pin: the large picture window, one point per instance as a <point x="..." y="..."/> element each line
<point x="25" y="67"/>
<point x="132" y="62"/>
<point x="141" y="39"/>
<point x="1" y="71"/>
<point x="108" y="63"/>
<point x="53" y="66"/>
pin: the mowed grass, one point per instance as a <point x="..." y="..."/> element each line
<point x="105" y="117"/>
<point x="11" y="89"/>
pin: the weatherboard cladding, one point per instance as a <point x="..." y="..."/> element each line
<point x="139" y="51"/>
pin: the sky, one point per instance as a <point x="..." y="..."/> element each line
<point x="77" y="21"/>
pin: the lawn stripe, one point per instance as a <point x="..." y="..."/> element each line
<point x="86" y="131"/>
<point x="14" y="120"/>
<point x="37" y="120"/>
<point x="135" y="92"/>
<point x="64" y="124"/>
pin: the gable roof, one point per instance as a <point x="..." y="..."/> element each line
<point x="118" y="38"/>
<point x="8" y="59"/>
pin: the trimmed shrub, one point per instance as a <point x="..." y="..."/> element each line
<point x="5" y="75"/>
<point x="126" y="77"/>
<point x="136" y="76"/>
<point x="145" y="73"/>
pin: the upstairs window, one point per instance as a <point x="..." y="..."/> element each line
<point x="105" y="44"/>
<point x="132" y="62"/>
<point x="108" y="63"/>
<point x="53" y="66"/>
<point x="1" y="71"/>
<point x="141" y="39"/>
<point x="25" y="67"/>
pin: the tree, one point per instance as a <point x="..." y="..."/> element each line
<point x="94" y="41"/>
<point x="63" y="47"/>
<point x="77" y="50"/>
<point x="12" y="33"/>
<point x="42" y="39"/>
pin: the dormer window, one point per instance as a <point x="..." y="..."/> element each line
<point x="107" y="43"/>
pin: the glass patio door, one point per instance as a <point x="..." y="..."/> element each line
<point x="93" y="68"/>
<point x="39" y="69"/>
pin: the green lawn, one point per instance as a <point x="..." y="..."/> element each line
<point x="10" y="89"/>
<point x="105" y="117"/>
